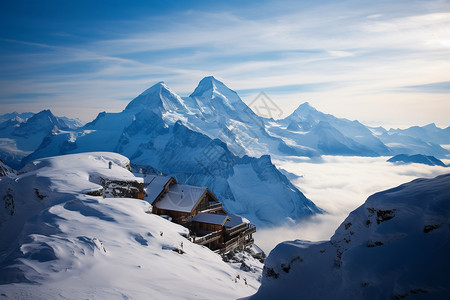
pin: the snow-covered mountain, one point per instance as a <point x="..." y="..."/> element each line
<point x="72" y="123"/>
<point x="208" y="139"/>
<point x="217" y="111"/>
<point x="155" y="130"/>
<point x="14" y="115"/>
<point x="326" y="134"/>
<point x="251" y="187"/>
<point x="308" y="128"/>
<point x="426" y="140"/>
<point x="430" y="133"/>
<point x="19" y="138"/>
<point x="56" y="240"/>
<point x="416" y="158"/>
<point x="394" y="246"/>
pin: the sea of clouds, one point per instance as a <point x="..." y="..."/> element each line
<point x="338" y="185"/>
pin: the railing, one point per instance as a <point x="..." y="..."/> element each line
<point x="233" y="243"/>
<point x="230" y="242"/>
<point x="213" y="207"/>
<point x="235" y="229"/>
<point x="251" y="229"/>
<point x="239" y="240"/>
<point x="229" y="245"/>
<point x="210" y="237"/>
<point x="249" y="242"/>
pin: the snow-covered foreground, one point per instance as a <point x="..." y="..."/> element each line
<point x="394" y="246"/>
<point x="338" y="184"/>
<point x="61" y="243"/>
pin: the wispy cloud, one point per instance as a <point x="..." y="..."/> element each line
<point x="26" y="43"/>
<point x="367" y="50"/>
<point x="435" y="87"/>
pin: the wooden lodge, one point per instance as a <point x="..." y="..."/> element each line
<point x="198" y="209"/>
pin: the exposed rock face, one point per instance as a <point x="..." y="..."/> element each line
<point x="5" y="170"/>
<point x="122" y="189"/>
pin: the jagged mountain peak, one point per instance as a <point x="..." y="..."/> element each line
<point x="45" y="117"/>
<point x="210" y="87"/>
<point x="305" y="112"/>
<point x="45" y="112"/>
<point x="155" y="88"/>
<point x="305" y="108"/>
<point x="431" y="125"/>
<point x="159" y="97"/>
<point x="207" y="84"/>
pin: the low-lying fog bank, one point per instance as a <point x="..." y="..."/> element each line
<point x="338" y="185"/>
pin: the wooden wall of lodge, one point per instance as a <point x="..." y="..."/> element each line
<point x="206" y="227"/>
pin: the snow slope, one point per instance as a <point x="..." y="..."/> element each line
<point x="58" y="242"/>
<point x="394" y="246"/>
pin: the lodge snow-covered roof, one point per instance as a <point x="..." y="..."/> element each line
<point x="155" y="185"/>
<point x="181" y="197"/>
<point x="210" y="218"/>
<point x="235" y="220"/>
<point x="228" y="220"/>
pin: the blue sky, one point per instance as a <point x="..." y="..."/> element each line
<point x="381" y="62"/>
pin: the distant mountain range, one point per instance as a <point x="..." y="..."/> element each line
<point x="21" y="134"/>
<point x="416" y="158"/>
<point x="212" y="138"/>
